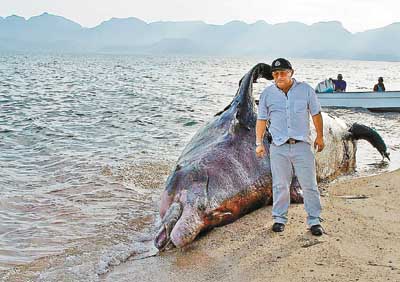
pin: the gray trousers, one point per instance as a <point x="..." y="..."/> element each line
<point x="283" y="159"/>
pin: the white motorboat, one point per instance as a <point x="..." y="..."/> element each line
<point x="388" y="101"/>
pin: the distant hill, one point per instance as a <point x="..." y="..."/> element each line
<point x="48" y="32"/>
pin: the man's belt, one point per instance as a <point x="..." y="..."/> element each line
<point x="292" y="141"/>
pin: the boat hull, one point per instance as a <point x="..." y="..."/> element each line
<point x="374" y="101"/>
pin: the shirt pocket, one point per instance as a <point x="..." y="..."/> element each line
<point x="300" y="106"/>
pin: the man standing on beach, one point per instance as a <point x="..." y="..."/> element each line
<point x="285" y="107"/>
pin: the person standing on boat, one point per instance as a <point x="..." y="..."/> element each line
<point x="380" y="87"/>
<point x="285" y="107"/>
<point x="340" y="84"/>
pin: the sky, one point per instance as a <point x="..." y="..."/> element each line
<point x="355" y="15"/>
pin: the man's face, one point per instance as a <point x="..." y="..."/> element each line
<point x="282" y="78"/>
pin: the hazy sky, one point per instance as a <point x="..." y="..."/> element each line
<point x="356" y="15"/>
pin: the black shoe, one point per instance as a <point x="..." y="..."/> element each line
<point x="316" y="230"/>
<point x="278" y="227"/>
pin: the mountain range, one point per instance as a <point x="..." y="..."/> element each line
<point x="52" y="33"/>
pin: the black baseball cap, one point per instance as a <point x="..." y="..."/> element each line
<point x="281" y="64"/>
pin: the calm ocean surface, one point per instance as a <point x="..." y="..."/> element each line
<point x="87" y="141"/>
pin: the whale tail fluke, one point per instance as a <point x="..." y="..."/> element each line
<point x="360" y="131"/>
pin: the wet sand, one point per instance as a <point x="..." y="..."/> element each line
<point x="362" y="243"/>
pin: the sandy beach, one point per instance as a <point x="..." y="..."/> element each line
<point x="361" y="220"/>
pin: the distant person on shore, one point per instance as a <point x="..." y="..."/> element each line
<point x="380" y="87"/>
<point x="340" y="84"/>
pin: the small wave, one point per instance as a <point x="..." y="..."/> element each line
<point x="190" y="123"/>
<point x="121" y="253"/>
<point x="6" y="130"/>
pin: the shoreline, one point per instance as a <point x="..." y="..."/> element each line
<point x="361" y="221"/>
<point x="361" y="243"/>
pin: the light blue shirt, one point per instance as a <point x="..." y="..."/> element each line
<point x="289" y="116"/>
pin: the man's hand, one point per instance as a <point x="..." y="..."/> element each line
<point x="261" y="151"/>
<point x="319" y="143"/>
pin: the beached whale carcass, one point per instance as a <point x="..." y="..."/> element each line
<point x="218" y="177"/>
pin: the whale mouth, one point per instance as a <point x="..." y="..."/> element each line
<point x="163" y="239"/>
